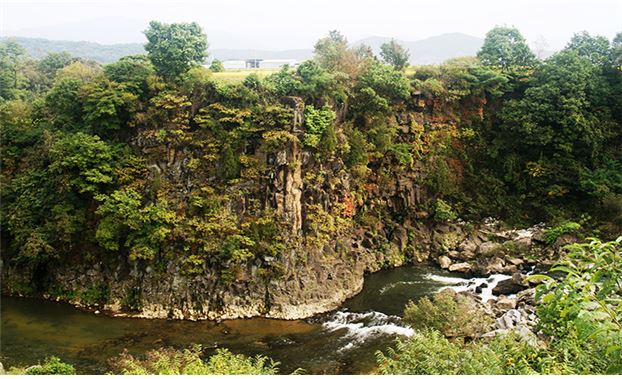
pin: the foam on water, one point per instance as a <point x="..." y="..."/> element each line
<point x="362" y="326"/>
<point x="461" y="285"/>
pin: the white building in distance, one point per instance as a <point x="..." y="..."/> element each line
<point x="239" y="64"/>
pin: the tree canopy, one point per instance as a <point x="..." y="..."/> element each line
<point x="394" y="54"/>
<point x="175" y="48"/>
<point x="505" y="47"/>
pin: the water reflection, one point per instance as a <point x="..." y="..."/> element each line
<point x="341" y="342"/>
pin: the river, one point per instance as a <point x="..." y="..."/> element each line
<point x="338" y="342"/>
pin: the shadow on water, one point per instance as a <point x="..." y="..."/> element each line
<point x="340" y="342"/>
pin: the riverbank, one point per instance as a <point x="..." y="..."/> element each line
<point x="322" y="283"/>
<point x="343" y="341"/>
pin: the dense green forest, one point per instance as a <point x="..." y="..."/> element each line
<point x="150" y="161"/>
<point x="515" y="138"/>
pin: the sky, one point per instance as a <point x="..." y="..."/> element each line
<point x="281" y="24"/>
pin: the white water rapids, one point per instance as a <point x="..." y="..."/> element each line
<point x="361" y="326"/>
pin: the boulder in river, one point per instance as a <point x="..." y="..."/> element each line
<point x="509" y="286"/>
<point x="460" y="267"/>
<point x="467" y="249"/>
<point x="505" y="303"/>
<point x="444" y="261"/>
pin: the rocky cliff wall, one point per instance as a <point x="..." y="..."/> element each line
<point x="335" y="228"/>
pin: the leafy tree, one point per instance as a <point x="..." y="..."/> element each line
<point x="81" y="162"/>
<point x="252" y="82"/>
<point x="596" y="49"/>
<point x="26" y="216"/>
<point x="334" y="55"/>
<point x="84" y="72"/>
<point x="175" y="48"/>
<point x="216" y="66"/>
<point x="283" y="82"/>
<point x="561" y="134"/>
<point x="53" y="62"/>
<point x="315" y="82"/>
<point x="64" y="104"/>
<point x="11" y="61"/>
<point x="378" y="87"/>
<point x="505" y="47"/>
<point x="331" y="51"/>
<point x="133" y="71"/>
<point x="394" y="54"/>
<point x="144" y="228"/>
<point x="108" y="106"/>
<point x="316" y="122"/>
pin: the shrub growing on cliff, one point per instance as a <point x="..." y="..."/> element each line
<point x="168" y="361"/>
<point x="551" y="235"/>
<point x="316" y="122"/>
<point x="443" y="211"/>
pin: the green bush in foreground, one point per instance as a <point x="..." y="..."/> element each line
<point x="429" y="353"/>
<point x="168" y="361"/>
<point x="587" y="302"/>
<point x="451" y="314"/>
<point x="51" y="366"/>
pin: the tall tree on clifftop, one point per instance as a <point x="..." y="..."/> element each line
<point x="394" y="54"/>
<point x="505" y="47"/>
<point x="175" y="48"/>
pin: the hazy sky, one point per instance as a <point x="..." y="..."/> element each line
<point x="280" y="24"/>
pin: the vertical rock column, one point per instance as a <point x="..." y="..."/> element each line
<point x="288" y="179"/>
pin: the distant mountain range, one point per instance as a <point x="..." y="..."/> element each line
<point x="39" y="47"/>
<point x="434" y="49"/>
<point x="426" y="51"/>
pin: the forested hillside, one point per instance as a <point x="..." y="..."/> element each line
<point x="38" y="48"/>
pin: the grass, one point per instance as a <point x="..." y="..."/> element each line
<point x="237" y="75"/>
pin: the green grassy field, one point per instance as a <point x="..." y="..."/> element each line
<point x="237" y="75"/>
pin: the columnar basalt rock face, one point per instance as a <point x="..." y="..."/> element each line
<point x="309" y="275"/>
<point x="288" y="186"/>
<point x="313" y="281"/>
